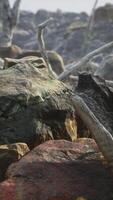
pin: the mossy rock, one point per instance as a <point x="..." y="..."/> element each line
<point x="55" y="59"/>
<point x="33" y="106"/>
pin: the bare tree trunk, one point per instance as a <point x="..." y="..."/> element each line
<point x="9" y="17"/>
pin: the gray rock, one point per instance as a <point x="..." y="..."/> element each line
<point x="105" y="71"/>
<point x="33" y="106"/>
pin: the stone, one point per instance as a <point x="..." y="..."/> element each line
<point x="59" y="170"/>
<point x="104" y="13"/>
<point x="10" y="153"/>
<point x="55" y="59"/>
<point x="33" y="106"/>
<point x="98" y="99"/>
<point x="105" y="71"/>
<point x="10" y="52"/>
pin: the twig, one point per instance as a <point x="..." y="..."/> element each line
<point x="42" y="46"/>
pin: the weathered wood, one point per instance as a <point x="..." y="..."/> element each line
<point x="75" y="67"/>
<point x="9" y="17"/>
<point x="42" y="46"/>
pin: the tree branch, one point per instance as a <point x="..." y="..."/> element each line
<point x="102" y="136"/>
<point x="42" y="48"/>
<point x="74" y="67"/>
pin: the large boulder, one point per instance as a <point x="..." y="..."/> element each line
<point x="59" y="170"/>
<point x="34" y="107"/>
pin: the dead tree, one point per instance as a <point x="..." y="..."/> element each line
<point x="9" y="17"/>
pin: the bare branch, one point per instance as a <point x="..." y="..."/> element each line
<point x="42" y="48"/>
<point x="101" y="56"/>
<point x="102" y="136"/>
<point x="74" y="67"/>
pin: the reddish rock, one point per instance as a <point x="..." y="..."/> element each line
<point x="59" y="170"/>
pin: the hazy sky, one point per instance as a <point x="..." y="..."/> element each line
<point x="65" y="5"/>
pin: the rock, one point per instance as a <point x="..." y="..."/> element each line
<point x="1" y="63"/>
<point x="105" y="71"/>
<point x="22" y="35"/>
<point x="38" y="62"/>
<point x="55" y="59"/>
<point x="41" y="15"/>
<point x="10" y="52"/>
<point x="55" y="34"/>
<point x="98" y="99"/>
<point x="66" y="34"/>
<point x="104" y="13"/>
<point x="10" y="153"/>
<point x="34" y="106"/>
<point x="59" y="170"/>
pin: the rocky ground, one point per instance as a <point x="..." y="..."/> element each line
<point x="59" y="170"/>
<point x="48" y="151"/>
<point x="67" y="33"/>
<point x="35" y="108"/>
